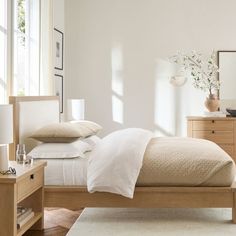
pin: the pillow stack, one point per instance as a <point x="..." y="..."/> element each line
<point x="65" y="140"/>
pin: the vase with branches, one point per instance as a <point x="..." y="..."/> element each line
<point x="203" y="73"/>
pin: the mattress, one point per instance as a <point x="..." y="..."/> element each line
<point x="167" y="162"/>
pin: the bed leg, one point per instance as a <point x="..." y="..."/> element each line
<point x="234" y="209"/>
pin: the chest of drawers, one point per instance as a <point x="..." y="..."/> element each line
<point x="221" y="130"/>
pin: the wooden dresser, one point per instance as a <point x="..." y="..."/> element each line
<point x="221" y="130"/>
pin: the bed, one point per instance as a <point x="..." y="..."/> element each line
<point x="45" y="110"/>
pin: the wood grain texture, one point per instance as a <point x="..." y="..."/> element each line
<point x="221" y="130"/>
<point x="57" y="221"/>
<point x="197" y="197"/>
<point x="210" y="118"/>
<point x="219" y="137"/>
<point x="234" y="209"/>
<point x="218" y="125"/>
<point x="229" y="148"/>
<point x="15" y="190"/>
<point x="234" y="156"/>
<point x="29" y="184"/>
<point x="22" y="171"/>
<point x="8" y="209"/>
<point x="189" y="128"/>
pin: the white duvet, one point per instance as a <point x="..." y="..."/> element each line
<point x="115" y="162"/>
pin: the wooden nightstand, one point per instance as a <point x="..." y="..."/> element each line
<point x="25" y="189"/>
<point x="221" y="130"/>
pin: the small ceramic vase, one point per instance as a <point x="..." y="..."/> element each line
<point x="212" y="103"/>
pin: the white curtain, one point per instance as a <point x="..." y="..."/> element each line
<point x="26" y="47"/>
<point x="3" y="50"/>
<point x="46" y="61"/>
<point x="33" y="46"/>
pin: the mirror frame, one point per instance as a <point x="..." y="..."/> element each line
<point x="218" y="64"/>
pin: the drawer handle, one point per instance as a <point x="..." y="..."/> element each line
<point x="213" y="121"/>
<point x="213" y="131"/>
<point x="32" y="176"/>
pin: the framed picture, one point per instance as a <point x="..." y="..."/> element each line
<point x="59" y="89"/>
<point x="58" y="49"/>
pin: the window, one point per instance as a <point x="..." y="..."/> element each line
<point x="26" y="47"/>
<point x="3" y="51"/>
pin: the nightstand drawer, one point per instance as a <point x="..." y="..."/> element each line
<point x="219" y="137"/>
<point x="29" y="184"/>
<point x="213" y="125"/>
<point x="228" y="148"/>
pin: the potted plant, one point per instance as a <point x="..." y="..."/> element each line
<point x="204" y="75"/>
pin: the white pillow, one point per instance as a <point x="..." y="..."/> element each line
<point x="60" y="150"/>
<point x="92" y="140"/>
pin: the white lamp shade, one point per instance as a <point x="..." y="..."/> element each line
<point x="75" y="109"/>
<point x="6" y="124"/>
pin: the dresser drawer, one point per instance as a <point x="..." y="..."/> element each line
<point x="219" y="137"/>
<point x="228" y="148"/>
<point x="29" y="184"/>
<point x="213" y="125"/>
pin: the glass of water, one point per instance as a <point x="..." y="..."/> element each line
<point x="20" y="154"/>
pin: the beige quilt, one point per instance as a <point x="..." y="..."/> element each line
<point x="185" y="162"/>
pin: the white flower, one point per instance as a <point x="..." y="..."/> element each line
<point x="203" y="72"/>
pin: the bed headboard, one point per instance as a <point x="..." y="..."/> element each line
<point x="29" y="114"/>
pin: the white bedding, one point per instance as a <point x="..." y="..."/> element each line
<point x="66" y="171"/>
<point x="115" y="163"/>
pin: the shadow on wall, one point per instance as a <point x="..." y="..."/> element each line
<point x="152" y="104"/>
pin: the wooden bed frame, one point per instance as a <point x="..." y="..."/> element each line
<point x="74" y="197"/>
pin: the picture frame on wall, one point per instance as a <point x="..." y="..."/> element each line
<point x="58" y="49"/>
<point x="59" y="89"/>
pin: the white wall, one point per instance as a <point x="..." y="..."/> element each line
<point x="112" y="48"/>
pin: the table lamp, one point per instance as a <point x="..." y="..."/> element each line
<point x="6" y="134"/>
<point x="75" y="109"/>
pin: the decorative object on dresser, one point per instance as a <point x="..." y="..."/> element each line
<point x="21" y="201"/>
<point x="20" y="154"/>
<point x="204" y="74"/>
<point x="221" y="130"/>
<point x="232" y="112"/>
<point x="6" y="134"/>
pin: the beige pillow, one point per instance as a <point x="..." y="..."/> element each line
<point x="66" y="132"/>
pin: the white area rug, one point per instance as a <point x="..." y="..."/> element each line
<point x="145" y="222"/>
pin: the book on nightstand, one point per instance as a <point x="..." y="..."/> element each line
<point x="23" y="215"/>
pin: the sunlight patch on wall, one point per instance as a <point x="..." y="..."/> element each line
<point x="165" y="108"/>
<point x="117" y="109"/>
<point x="117" y="83"/>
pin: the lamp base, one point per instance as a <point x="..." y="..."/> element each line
<point x="4" y="165"/>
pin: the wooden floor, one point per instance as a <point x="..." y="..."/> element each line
<point x="57" y="222"/>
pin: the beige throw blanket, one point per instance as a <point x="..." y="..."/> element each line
<point x="185" y="162"/>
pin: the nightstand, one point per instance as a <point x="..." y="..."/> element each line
<point x="24" y="189"/>
<point x="221" y="130"/>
